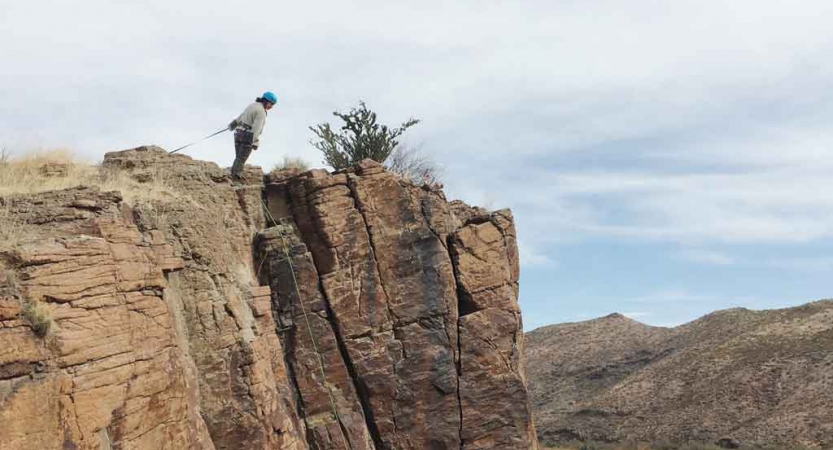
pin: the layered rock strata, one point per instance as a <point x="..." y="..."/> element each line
<point x="354" y="311"/>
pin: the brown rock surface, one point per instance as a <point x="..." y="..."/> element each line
<point x="757" y="378"/>
<point x="158" y="334"/>
<point x="109" y="371"/>
<point x="159" y="337"/>
<point x="388" y="293"/>
<point x="491" y="336"/>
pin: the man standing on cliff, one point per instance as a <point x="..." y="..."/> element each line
<point x="247" y="128"/>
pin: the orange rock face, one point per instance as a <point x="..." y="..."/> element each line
<point x="109" y="371"/>
<point x="415" y="308"/>
<point x="491" y="336"/>
<point x="370" y="314"/>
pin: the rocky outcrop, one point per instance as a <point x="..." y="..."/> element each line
<point x="110" y="370"/>
<point x="402" y="313"/>
<point x="304" y="310"/>
<point x="159" y="337"/>
<point x="491" y="335"/>
<point x="732" y="378"/>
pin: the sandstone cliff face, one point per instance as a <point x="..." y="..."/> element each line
<point x="178" y="325"/>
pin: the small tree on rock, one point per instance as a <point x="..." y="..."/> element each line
<point x="360" y="137"/>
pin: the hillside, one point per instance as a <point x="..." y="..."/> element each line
<point x="758" y="377"/>
<point x="150" y="304"/>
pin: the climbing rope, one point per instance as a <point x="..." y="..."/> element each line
<point x="197" y="142"/>
<point x="309" y="326"/>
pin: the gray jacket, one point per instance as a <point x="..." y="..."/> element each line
<point x="252" y="119"/>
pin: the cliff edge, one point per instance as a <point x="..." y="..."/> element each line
<point x="309" y="310"/>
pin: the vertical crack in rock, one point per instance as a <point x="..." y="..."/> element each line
<point x="395" y="319"/>
<point x="420" y="304"/>
<point x="428" y="217"/>
<point x="338" y="365"/>
<point x="361" y="389"/>
<point x="406" y="403"/>
<point x="452" y="315"/>
<point x="359" y="386"/>
<point x="300" y="355"/>
<point x="372" y="248"/>
<point x="289" y="344"/>
<point x="484" y="252"/>
<point x="459" y="364"/>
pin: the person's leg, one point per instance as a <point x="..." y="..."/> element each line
<point x="242" y="151"/>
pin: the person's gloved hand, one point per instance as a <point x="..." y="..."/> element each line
<point x="232" y="125"/>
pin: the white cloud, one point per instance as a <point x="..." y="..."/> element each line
<point x="804" y="264"/>
<point x="673" y="295"/>
<point x="754" y="206"/>
<point x="121" y="73"/>
<point x="532" y="257"/>
<point x="708" y="257"/>
<point x="678" y="120"/>
<point x="821" y="264"/>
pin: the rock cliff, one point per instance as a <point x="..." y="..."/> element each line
<point x="299" y="311"/>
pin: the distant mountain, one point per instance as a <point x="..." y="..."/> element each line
<point x="758" y="377"/>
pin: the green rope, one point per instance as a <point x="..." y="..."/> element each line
<point x="309" y="327"/>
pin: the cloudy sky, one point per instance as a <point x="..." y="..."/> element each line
<point x="663" y="158"/>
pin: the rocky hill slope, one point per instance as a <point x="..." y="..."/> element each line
<point x="300" y="311"/>
<point x="756" y="377"/>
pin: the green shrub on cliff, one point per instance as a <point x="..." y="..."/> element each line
<point x="359" y="138"/>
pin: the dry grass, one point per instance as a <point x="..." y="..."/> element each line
<point x="13" y="227"/>
<point x="57" y="169"/>
<point x="38" y="316"/>
<point x="156" y="188"/>
<point x="290" y="162"/>
<point x="412" y="164"/>
<point x="25" y="174"/>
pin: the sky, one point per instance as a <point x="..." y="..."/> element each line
<point x="663" y="158"/>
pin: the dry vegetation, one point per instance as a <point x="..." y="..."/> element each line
<point x="290" y="162"/>
<point x="38" y="316"/>
<point x="13" y="227"/>
<point x="50" y="170"/>
<point x="412" y="164"/>
<point x="57" y="169"/>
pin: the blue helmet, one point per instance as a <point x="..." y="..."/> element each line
<point x="269" y="96"/>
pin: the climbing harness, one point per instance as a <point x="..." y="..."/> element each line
<point x="320" y="358"/>
<point x="197" y="142"/>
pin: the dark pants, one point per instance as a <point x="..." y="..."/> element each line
<point x="242" y="150"/>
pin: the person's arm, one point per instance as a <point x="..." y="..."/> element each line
<point x="236" y="122"/>
<point x="257" y="126"/>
